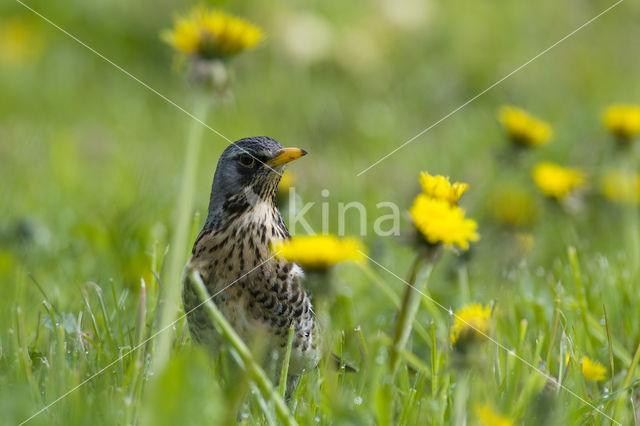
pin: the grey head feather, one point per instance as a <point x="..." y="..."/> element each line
<point x="232" y="178"/>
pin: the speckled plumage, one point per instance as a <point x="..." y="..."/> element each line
<point x="253" y="290"/>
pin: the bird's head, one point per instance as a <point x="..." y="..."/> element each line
<point x="247" y="173"/>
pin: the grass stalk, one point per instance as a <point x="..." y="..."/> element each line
<point x="380" y="283"/>
<point x="598" y="331"/>
<point x="23" y="354"/>
<point x="87" y="304"/>
<point x="408" y="310"/>
<point x="137" y="367"/>
<point x="582" y="298"/>
<point x="256" y="373"/>
<point x="434" y="361"/>
<point x="392" y="296"/>
<point x="179" y="241"/>
<point x="610" y="345"/>
<point x="412" y="360"/>
<point x="460" y="399"/>
<point x="627" y="382"/>
<point x="105" y="316"/>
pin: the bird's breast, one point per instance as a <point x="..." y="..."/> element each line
<point x="255" y="291"/>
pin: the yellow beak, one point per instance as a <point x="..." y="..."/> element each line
<point x="286" y="155"/>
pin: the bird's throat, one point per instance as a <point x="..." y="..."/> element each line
<point x="242" y="242"/>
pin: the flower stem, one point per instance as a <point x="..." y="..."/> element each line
<point x="434" y="362"/>
<point x="256" y="373"/>
<point x="179" y="242"/>
<point x="409" y="308"/>
<point x="392" y="296"/>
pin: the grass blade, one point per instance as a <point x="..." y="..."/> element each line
<point x="284" y="372"/>
<point x="256" y="372"/>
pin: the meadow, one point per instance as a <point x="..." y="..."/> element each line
<point x="95" y="138"/>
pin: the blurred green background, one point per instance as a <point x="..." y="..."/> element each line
<point x="90" y="163"/>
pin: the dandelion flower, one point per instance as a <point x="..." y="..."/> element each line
<point x="623" y="120"/>
<point x="593" y="370"/>
<point x="211" y="34"/>
<point x="286" y="181"/>
<point x="440" y="222"/>
<point x="439" y="187"/>
<point x="557" y="181"/>
<point x="513" y="207"/>
<point x="20" y="42"/>
<point x="470" y="319"/>
<point x="523" y="128"/>
<point x="621" y="187"/>
<point x="525" y="242"/>
<point x="488" y="417"/>
<point x="319" y="252"/>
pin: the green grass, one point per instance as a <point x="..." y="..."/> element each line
<point x="91" y="164"/>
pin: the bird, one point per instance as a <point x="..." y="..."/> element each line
<point x="256" y="291"/>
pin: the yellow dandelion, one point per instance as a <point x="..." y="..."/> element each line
<point x="623" y="120"/>
<point x="211" y="34"/>
<point x="440" y="222"/>
<point x="470" y="319"/>
<point x="525" y="242"/>
<point x="513" y="207"/>
<point x="439" y="187"/>
<point x="593" y="370"/>
<point x="316" y="252"/>
<point x="20" y="42"/>
<point x="487" y="416"/>
<point x="621" y="187"/>
<point x="523" y="128"/>
<point x="286" y="181"/>
<point x="557" y="181"/>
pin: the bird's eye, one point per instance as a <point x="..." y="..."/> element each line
<point x="247" y="160"/>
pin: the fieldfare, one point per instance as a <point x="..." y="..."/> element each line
<point x="233" y="250"/>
